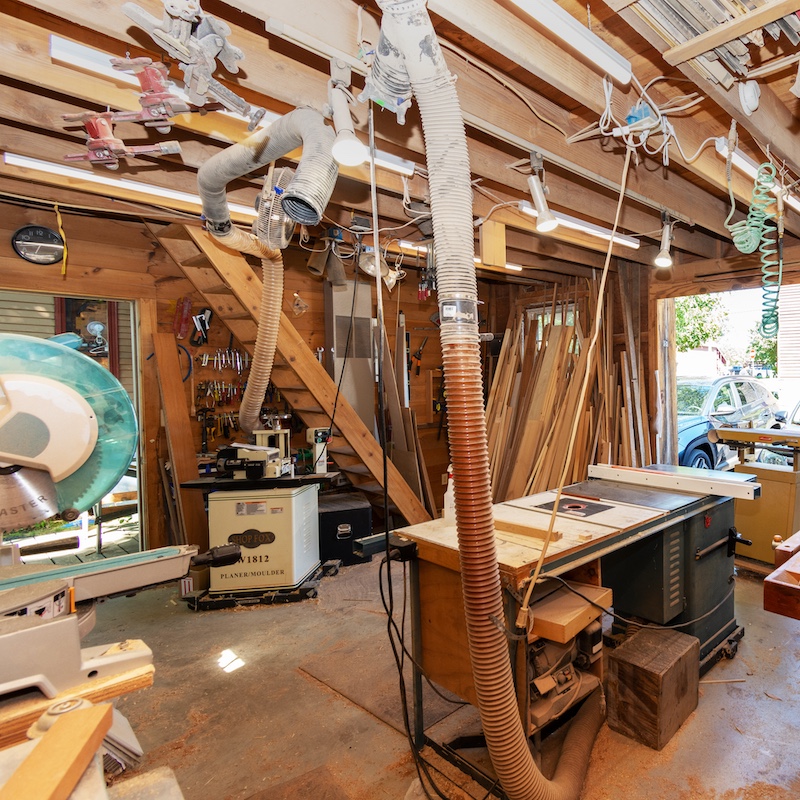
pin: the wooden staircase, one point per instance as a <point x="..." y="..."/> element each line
<point x="232" y="289"/>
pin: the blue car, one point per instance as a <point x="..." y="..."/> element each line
<point x="705" y="403"/>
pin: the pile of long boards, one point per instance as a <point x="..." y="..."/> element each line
<point x="548" y="376"/>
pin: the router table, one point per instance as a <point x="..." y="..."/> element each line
<point x="661" y="539"/>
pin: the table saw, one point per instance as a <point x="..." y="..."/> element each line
<point x="656" y="543"/>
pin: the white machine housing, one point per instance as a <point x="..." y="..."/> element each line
<point x="276" y="439"/>
<point x="278" y="531"/>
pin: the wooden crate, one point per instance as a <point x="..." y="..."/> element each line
<point x="653" y="680"/>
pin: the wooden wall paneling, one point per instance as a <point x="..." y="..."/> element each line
<point x="153" y="528"/>
<point x="182" y="454"/>
<point x="112" y="243"/>
<point x="78" y="282"/>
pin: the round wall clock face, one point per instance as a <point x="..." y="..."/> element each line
<point x="38" y="244"/>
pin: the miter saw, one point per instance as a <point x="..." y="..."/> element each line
<point x="67" y="430"/>
<point x="67" y="435"/>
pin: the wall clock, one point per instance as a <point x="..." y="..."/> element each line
<point x="38" y="244"/>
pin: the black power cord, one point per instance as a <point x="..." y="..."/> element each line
<point x="634" y="622"/>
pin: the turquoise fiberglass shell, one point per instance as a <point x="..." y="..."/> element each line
<point x="116" y="420"/>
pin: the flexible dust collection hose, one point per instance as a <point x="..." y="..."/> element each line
<point x="269" y="323"/>
<point x="309" y="191"/>
<point x="304" y="200"/>
<point x="406" y="28"/>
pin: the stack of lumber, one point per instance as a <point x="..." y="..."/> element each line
<point x="405" y="448"/>
<point x="538" y="394"/>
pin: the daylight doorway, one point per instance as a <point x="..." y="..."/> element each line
<point x="108" y="330"/>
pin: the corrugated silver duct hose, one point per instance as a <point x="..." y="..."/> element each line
<point x="406" y="30"/>
<point x="304" y="201"/>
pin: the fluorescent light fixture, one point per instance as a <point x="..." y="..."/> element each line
<point x="739" y="160"/>
<point x="748" y="167"/>
<point x="72" y="54"/>
<point x="565" y="27"/>
<point x="418" y="248"/>
<point x="87" y="58"/>
<point x="585" y="227"/>
<point x="511" y="267"/>
<point x="51" y="168"/>
<point x="545" y="221"/>
<point x="664" y="258"/>
<point x="595" y="230"/>
<point x="400" y="165"/>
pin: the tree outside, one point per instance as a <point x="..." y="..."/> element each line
<point x="699" y="320"/>
<point x="703" y="320"/>
<point x="763" y="351"/>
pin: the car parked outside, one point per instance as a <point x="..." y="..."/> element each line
<point x="705" y="403"/>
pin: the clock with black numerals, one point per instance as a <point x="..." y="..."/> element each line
<point x="38" y="244"/>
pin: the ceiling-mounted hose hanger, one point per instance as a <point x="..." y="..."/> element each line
<point x="304" y="199"/>
<point x="409" y="59"/>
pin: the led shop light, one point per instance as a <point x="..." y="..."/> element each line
<point x="90" y="176"/>
<point x="664" y="257"/>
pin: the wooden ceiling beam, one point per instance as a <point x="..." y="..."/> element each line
<point x="728" y="31"/>
<point x="589" y="159"/>
<point x="771" y="121"/>
<point x="723" y="274"/>
<point x="290" y="82"/>
<point x="571" y="194"/>
<point x="481" y="19"/>
<point x="48" y="111"/>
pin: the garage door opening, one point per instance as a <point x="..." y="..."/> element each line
<point x="716" y="368"/>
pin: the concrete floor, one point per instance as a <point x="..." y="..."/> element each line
<point x="291" y="722"/>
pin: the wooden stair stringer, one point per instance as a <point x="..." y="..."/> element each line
<point x="299" y="366"/>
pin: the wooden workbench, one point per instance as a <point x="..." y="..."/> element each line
<point x="587" y="528"/>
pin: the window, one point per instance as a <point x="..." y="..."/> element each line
<point x="724" y="401"/>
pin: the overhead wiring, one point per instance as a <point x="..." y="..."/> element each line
<point x="505" y="83"/>
<point x="397" y="646"/>
<point x="647" y="125"/>
<point x="345" y="358"/>
<point x="371" y="230"/>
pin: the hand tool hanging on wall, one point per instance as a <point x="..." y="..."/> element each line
<point x="181" y="321"/>
<point x="417" y="357"/>
<point x="202" y="322"/>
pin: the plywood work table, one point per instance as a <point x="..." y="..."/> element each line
<point x="598" y="517"/>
